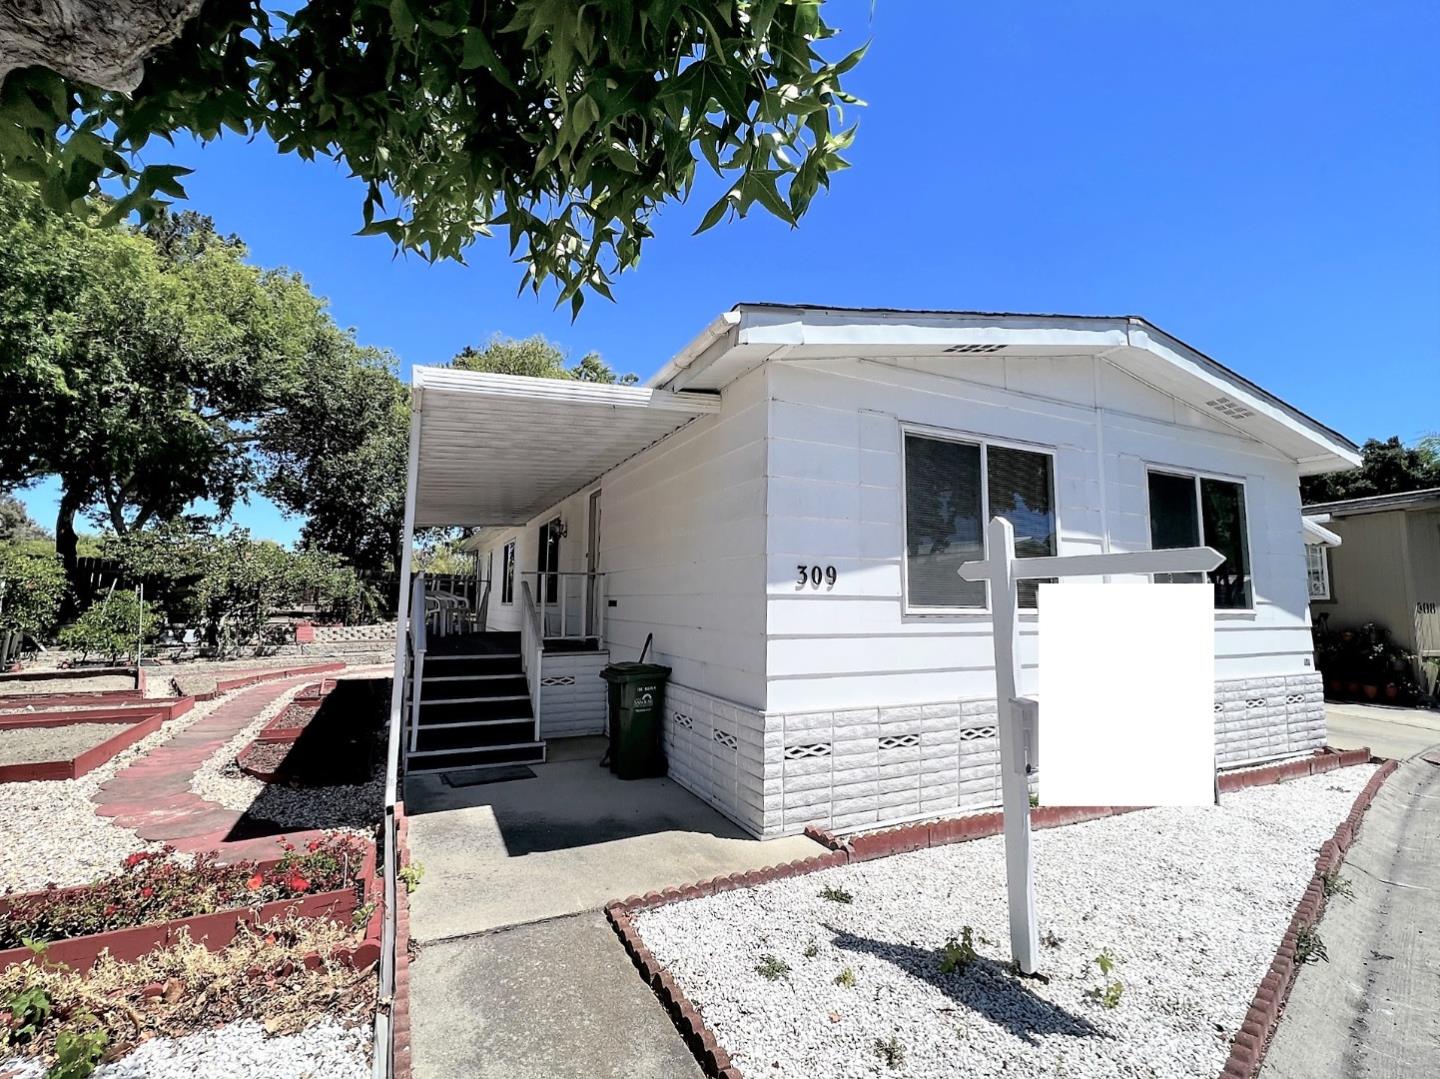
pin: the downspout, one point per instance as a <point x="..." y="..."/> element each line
<point x="383" y="1057"/>
<point x="1100" y="457"/>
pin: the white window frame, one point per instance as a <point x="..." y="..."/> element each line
<point x="944" y="434"/>
<point x="1197" y="475"/>
<point x="1324" y="553"/>
<point x="508" y="554"/>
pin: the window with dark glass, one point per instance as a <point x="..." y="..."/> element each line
<point x="947" y="485"/>
<point x="507" y="570"/>
<point x="1193" y="511"/>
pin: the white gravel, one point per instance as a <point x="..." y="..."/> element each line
<point x="50" y="832"/>
<point x="1191" y="903"/>
<point x="353" y="806"/>
<point x="325" y="1050"/>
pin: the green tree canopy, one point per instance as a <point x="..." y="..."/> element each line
<point x="135" y="376"/>
<point x="1386" y="468"/>
<point x="566" y="125"/>
<point x="16" y="524"/>
<point x="337" y="453"/>
<point x="535" y="357"/>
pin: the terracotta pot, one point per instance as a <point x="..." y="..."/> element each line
<point x="1371" y="692"/>
<point x="1352" y="688"/>
<point x="1392" y="692"/>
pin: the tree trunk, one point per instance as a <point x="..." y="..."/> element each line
<point x="67" y="547"/>
<point x="100" y="42"/>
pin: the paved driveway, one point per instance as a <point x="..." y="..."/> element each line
<point x="1370" y="1011"/>
<point x="1387" y="730"/>
<point x="518" y="974"/>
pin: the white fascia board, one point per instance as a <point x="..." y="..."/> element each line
<point x="778" y="327"/>
<point x="1336" y="454"/>
<point x="1315" y="535"/>
<point x="484" y="384"/>
<point x="704" y="341"/>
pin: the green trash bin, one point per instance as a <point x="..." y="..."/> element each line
<point x="637" y="702"/>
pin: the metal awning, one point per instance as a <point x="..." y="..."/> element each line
<point x="1317" y="536"/>
<point x="498" y="450"/>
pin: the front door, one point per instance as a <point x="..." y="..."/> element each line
<point x="548" y="561"/>
<point x="592" y="567"/>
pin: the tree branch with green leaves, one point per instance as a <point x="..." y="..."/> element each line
<point x="564" y="125"/>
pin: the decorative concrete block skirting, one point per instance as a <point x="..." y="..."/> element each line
<point x="1250" y="1043"/>
<point x="778" y="773"/>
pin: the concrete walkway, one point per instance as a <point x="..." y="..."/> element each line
<point x="518" y="974"/>
<point x="1370" y="1012"/>
<point x="153" y="796"/>
<point x="1389" y="731"/>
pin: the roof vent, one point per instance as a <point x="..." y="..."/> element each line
<point x="1230" y="408"/>
<point x="975" y="349"/>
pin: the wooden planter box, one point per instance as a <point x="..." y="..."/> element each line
<point x="215" y="931"/>
<point x="92" y="758"/>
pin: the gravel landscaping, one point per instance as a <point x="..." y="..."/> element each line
<point x="1189" y="904"/>
<point x="50" y="832"/>
<point x="325" y="1050"/>
<point x="350" y="806"/>
<point x="28" y="745"/>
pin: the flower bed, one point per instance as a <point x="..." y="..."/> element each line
<point x="280" y="980"/>
<point x="291" y="723"/>
<point x="154" y="898"/>
<point x="263" y="759"/>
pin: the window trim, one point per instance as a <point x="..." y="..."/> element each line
<point x="507" y="574"/>
<point x="1329" y="595"/>
<point x="946" y="434"/>
<point x="1196" y="475"/>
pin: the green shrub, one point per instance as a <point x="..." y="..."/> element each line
<point x="112" y="625"/>
<point x="32" y="588"/>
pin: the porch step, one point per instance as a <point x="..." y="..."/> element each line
<point x="422" y="761"/>
<point x="480" y="735"/>
<point x="453" y="711"/>
<point x="475" y="688"/>
<point x="475" y="666"/>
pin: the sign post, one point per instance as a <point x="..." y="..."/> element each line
<point x="1004" y="572"/>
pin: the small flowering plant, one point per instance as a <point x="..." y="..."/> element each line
<point x="154" y="886"/>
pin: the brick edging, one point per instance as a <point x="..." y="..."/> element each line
<point x="714" y="1059"/>
<point x="229" y="685"/>
<point x="1247" y="1050"/>
<point x="400" y="1002"/>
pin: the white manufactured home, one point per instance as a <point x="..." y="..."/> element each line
<point x="781" y="511"/>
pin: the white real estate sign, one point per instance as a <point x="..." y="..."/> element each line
<point x="1004" y="571"/>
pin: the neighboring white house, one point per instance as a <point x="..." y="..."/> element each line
<point x="783" y="508"/>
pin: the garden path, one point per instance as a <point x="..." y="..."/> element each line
<point x="153" y="796"/>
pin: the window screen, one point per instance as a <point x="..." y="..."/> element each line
<point x="942" y="522"/>
<point x="1020" y="490"/>
<point x="1222" y="505"/>
<point x="1317" y="571"/>
<point x="945" y="515"/>
<point x="507" y="581"/>
<point x="1188" y="511"/>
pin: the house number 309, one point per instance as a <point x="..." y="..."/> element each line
<point x="815" y="576"/>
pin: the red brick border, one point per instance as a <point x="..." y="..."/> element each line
<point x="908" y="837"/>
<point x="400" y="1002"/>
<point x="1247" y="1050"/>
<point x="227" y="685"/>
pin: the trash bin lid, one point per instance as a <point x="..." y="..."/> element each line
<point x="631" y="672"/>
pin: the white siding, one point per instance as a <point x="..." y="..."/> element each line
<point x="682" y="544"/>
<point x="572" y="694"/>
<point x="836" y="498"/>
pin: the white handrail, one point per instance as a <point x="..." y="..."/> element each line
<point x="532" y="648"/>
<point x="419" y="638"/>
<point x="561" y="583"/>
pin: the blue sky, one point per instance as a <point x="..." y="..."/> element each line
<point x="1262" y="180"/>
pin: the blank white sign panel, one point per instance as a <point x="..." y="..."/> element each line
<point x="1127" y="694"/>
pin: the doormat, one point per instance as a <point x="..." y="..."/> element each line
<point x="474" y="777"/>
